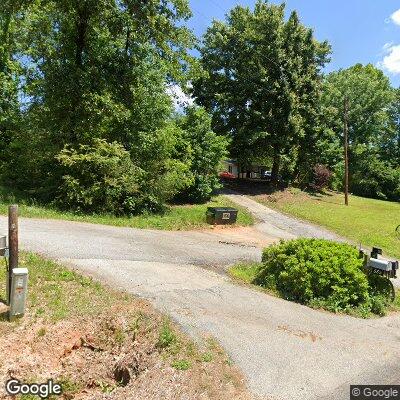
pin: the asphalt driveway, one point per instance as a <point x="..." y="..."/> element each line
<point x="287" y="351"/>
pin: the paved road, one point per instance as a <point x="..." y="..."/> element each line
<point x="287" y="351"/>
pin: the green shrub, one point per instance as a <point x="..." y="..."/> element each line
<point x="324" y="274"/>
<point x="99" y="177"/>
<point x="163" y="157"/>
<point x="378" y="305"/>
<point x="381" y="292"/>
<point x="376" y="179"/>
<point x="315" y="271"/>
<point x="104" y="177"/>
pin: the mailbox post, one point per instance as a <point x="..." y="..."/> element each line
<point x="17" y="278"/>
<point x="4" y="253"/>
<point x="12" y="244"/>
<point x="373" y="264"/>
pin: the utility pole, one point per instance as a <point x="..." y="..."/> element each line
<point x="346" y="152"/>
<point x="17" y="284"/>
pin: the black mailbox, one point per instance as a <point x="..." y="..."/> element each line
<point x="221" y="215"/>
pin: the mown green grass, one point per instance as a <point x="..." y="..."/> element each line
<point x="245" y="271"/>
<point x="177" y="217"/>
<point x="56" y="293"/>
<point x="366" y="221"/>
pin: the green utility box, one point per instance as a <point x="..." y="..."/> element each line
<point x="221" y="215"/>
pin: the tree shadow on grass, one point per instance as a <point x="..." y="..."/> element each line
<point x="328" y="197"/>
<point x="321" y="194"/>
<point x="252" y="187"/>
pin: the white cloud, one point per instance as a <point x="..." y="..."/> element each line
<point x="180" y="99"/>
<point x="387" y="46"/>
<point x="391" y="62"/>
<point x="391" y="51"/>
<point x="395" y="17"/>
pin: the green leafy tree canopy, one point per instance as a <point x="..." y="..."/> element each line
<point x="263" y="80"/>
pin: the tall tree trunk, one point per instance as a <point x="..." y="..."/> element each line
<point x="80" y="41"/>
<point x="276" y="166"/>
<point x="81" y="23"/>
<point x="127" y="40"/>
<point x="398" y="147"/>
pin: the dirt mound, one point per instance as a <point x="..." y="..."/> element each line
<point x="113" y="356"/>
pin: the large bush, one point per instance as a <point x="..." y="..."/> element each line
<point x="105" y="177"/>
<point x="313" y="271"/>
<point x="164" y="157"/>
<point x="321" y="177"/>
<point x="99" y="177"/>
<point x="377" y="179"/>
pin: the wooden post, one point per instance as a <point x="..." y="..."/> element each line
<point x="12" y="243"/>
<point x="346" y="152"/>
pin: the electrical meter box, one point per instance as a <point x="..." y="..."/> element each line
<point x="19" y="288"/>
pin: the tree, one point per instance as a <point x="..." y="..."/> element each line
<point x="205" y="152"/>
<point x="262" y="83"/>
<point x="392" y="143"/>
<point x="98" y="69"/>
<point x="369" y="95"/>
<point x="372" y="127"/>
<point x="9" y="73"/>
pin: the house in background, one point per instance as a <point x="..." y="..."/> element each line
<point x="232" y="169"/>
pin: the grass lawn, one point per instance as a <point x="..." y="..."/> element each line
<point x="245" y="271"/>
<point x="177" y="217"/>
<point x="367" y="221"/>
<point x="98" y="342"/>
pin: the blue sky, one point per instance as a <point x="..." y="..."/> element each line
<point x="365" y="31"/>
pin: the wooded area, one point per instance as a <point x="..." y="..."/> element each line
<point x="87" y="124"/>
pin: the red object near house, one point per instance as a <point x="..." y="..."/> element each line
<point x="227" y="175"/>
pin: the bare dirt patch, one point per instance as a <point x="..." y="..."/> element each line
<point x="280" y="196"/>
<point x="241" y="236"/>
<point x="265" y="192"/>
<point x="122" y="349"/>
<point x="85" y="355"/>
